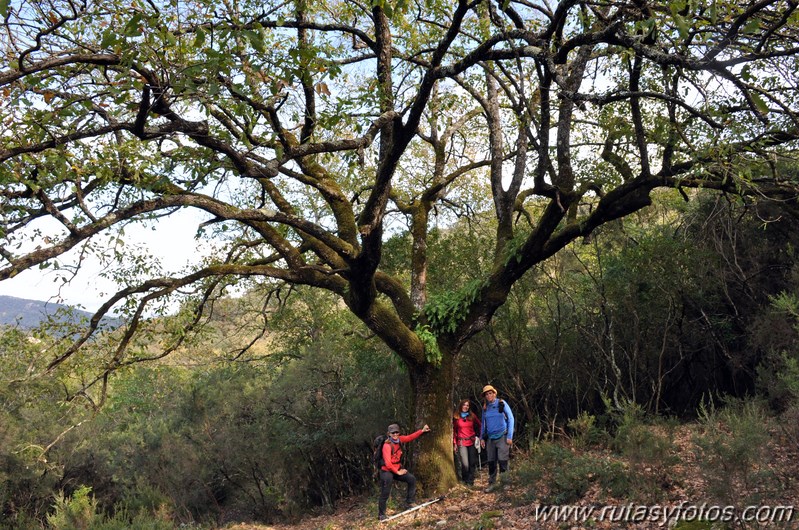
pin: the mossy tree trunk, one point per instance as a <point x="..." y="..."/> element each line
<point x="433" y="458"/>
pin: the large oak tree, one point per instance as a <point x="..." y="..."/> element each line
<point x="305" y="132"/>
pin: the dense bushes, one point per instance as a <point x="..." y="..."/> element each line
<point x="671" y="307"/>
<point x="199" y="440"/>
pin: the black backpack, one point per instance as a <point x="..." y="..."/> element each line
<point x="377" y="452"/>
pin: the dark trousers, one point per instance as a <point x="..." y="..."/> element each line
<point x="497" y="451"/>
<point x="387" y="478"/>
<point x="492" y="469"/>
<point x="467" y="457"/>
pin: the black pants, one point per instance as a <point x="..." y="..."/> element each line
<point x="492" y="469"/>
<point x="387" y="478"/>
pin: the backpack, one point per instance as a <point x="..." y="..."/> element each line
<point x="377" y="452"/>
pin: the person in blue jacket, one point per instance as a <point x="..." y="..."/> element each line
<point x="496" y="434"/>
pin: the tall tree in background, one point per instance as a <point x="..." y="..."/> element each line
<point x="305" y="132"/>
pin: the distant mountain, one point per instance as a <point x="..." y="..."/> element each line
<point x="30" y="313"/>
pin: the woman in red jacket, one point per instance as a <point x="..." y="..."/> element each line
<point x="465" y="427"/>
<point x="392" y="469"/>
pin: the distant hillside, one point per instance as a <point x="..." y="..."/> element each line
<point x="29" y="313"/>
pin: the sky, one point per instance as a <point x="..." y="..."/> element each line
<point x="172" y="241"/>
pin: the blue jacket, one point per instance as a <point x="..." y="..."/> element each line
<point x="496" y="423"/>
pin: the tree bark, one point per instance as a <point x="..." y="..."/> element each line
<point x="433" y="458"/>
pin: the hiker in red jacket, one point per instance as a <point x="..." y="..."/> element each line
<point x="392" y="469"/>
<point x="465" y="429"/>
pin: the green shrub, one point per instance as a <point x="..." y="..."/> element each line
<point x="648" y="449"/>
<point x="140" y="521"/>
<point x="615" y="478"/>
<point x="778" y="380"/>
<point x="75" y="512"/>
<point x="584" y="431"/>
<point x="79" y="511"/>
<point x="641" y="444"/>
<point x="559" y="476"/>
<point x="563" y="471"/>
<point x="651" y="456"/>
<point x="731" y="442"/>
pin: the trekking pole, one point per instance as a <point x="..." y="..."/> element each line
<point x="413" y="509"/>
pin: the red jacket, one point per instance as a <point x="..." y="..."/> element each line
<point x="465" y="430"/>
<point x="392" y="453"/>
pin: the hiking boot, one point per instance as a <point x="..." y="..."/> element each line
<point x="381" y="517"/>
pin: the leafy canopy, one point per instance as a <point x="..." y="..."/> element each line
<point x="305" y="133"/>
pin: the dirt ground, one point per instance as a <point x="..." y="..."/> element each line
<point x="473" y="509"/>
